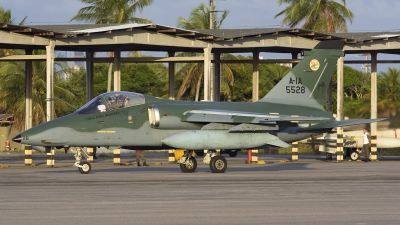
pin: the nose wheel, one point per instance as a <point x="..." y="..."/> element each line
<point x="84" y="167"/>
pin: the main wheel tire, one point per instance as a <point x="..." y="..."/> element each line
<point x="218" y="164"/>
<point x="233" y="153"/>
<point x="86" y="167"/>
<point x="189" y="167"/>
<point x="354" y="156"/>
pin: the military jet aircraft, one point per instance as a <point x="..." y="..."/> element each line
<point x="293" y="110"/>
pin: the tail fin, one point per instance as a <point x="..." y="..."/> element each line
<point x="307" y="82"/>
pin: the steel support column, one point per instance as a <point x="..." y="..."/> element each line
<point x="171" y="76"/>
<point x="50" y="80"/>
<point x="374" y="106"/>
<point x="28" y="105"/>
<point x="89" y="75"/>
<point x="207" y="67"/>
<point x="294" y="56"/>
<point x="255" y="81"/>
<point x="217" y="77"/>
<point x="28" y="91"/>
<point x="339" y="114"/>
<point x="117" y="70"/>
<point x="256" y="73"/>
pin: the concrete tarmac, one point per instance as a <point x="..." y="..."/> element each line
<point x="311" y="191"/>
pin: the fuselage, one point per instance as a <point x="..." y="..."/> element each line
<point x="129" y="126"/>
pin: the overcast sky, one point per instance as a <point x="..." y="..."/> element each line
<point x="370" y="15"/>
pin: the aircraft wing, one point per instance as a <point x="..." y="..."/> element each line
<point x="227" y="116"/>
<point x="341" y="123"/>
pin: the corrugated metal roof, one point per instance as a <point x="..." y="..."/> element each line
<point x="239" y="33"/>
<point x="73" y="30"/>
<point x="80" y="29"/>
<point x="367" y="36"/>
<point x="69" y="28"/>
<point x="115" y="27"/>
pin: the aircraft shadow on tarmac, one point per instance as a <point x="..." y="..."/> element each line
<point x="233" y="168"/>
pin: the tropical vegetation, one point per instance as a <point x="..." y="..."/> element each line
<point x="326" y="16"/>
<point x="12" y="90"/>
<point x="5" y="17"/>
<point x="112" y="12"/>
<point x="191" y="74"/>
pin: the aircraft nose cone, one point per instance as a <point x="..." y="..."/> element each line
<point x="17" y="138"/>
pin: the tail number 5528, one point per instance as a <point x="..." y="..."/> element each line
<point x="295" y="89"/>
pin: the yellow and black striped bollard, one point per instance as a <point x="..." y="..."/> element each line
<point x="117" y="157"/>
<point x="49" y="157"/>
<point x="90" y="153"/>
<point x="171" y="156"/>
<point x="295" y="151"/>
<point x="28" y="155"/>
<point x="374" y="149"/>
<point x="339" y="145"/>
<point x="254" y="156"/>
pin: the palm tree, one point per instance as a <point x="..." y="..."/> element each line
<point x="389" y="92"/>
<point x="388" y="88"/>
<point x="5" y="17"/>
<point x="326" y="16"/>
<point x="275" y="73"/>
<point x="12" y="90"/>
<point x="112" y="12"/>
<point x="200" y="19"/>
<point x="192" y="73"/>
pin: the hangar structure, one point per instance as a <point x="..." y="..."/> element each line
<point x="117" y="38"/>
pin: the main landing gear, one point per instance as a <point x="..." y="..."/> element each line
<point x="84" y="167"/>
<point x="217" y="163"/>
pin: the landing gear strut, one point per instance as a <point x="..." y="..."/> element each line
<point x="83" y="167"/>
<point x="217" y="163"/>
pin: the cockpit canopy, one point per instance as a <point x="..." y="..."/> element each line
<point x="110" y="101"/>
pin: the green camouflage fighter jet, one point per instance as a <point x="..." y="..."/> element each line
<point x="291" y="111"/>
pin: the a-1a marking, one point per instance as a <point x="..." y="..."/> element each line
<point x="296" y="86"/>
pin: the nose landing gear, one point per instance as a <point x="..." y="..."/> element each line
<point x="83" y="167"/>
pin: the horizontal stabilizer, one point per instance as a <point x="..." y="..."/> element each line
<point x="342" y="123"/>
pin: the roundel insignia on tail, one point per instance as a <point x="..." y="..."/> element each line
<point x="314" y="64"/>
